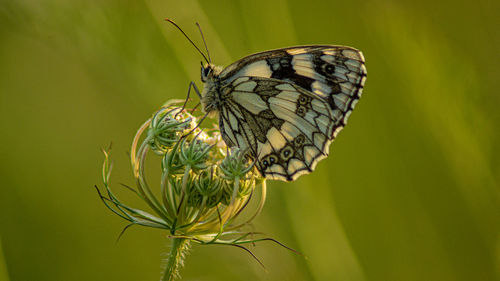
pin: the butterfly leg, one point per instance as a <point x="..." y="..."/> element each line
<point x="196" y="127"/>
<point x="192" y="85"/>
<point x="194" y="108"/>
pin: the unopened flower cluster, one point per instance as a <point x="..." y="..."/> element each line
<point x="204" y="186"/>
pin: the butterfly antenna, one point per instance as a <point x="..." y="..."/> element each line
<point x="204" y="42"/>
<point x="202" y="54"/>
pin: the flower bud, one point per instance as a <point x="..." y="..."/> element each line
<point x="166" y="126"/>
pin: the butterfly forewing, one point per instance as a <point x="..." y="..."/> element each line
<point x="335" y="73"/>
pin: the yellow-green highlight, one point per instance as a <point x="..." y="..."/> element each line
<point x="4" y="273"/>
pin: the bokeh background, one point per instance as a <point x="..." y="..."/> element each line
<point x="410" y="191"/>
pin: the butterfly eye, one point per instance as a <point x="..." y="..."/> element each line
<point x="205" y="71"/>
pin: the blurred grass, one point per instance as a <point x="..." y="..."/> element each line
<point x="410" y="191"/>
<point x="4" y="275"/>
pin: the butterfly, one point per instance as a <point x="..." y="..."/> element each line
<point x="284" y="106"/>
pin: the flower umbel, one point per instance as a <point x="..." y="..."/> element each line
<point x="203" y="190"/>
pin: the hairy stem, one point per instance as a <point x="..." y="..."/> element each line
<point x="175" y="258"/>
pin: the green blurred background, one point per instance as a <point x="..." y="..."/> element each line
<point x="410" y="191"/>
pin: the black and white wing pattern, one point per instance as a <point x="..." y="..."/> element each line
<point x="285" y="128"/>
<point x="337" y="74"/>
<point x="286" y="106"/>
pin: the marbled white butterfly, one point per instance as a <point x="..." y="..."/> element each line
<point x="284" y="106"/>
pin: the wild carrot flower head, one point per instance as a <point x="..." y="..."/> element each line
<point x="204" y="187"/>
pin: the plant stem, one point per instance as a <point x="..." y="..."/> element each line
<point x="175" y="258"/>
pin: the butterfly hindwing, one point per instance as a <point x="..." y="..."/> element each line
<point x="286" y="129"/>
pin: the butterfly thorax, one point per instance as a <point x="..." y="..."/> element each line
<point x="211" y="96"/>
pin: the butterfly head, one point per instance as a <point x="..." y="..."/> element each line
<point x="205" y="71"/>
<point x="209" y="72"/>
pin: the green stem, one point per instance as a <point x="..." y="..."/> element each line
<point x="175" y="258"/>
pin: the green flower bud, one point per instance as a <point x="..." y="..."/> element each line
<point x="171" y="163"/>
<point x="209" y="186"/>
<point x="166" y="126"/>
<point x="235" y="166"/>
<point x="194" y="154"/>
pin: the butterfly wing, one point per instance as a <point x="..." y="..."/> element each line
<point x="336" y="74"/>
<point x="286" y="129"/>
